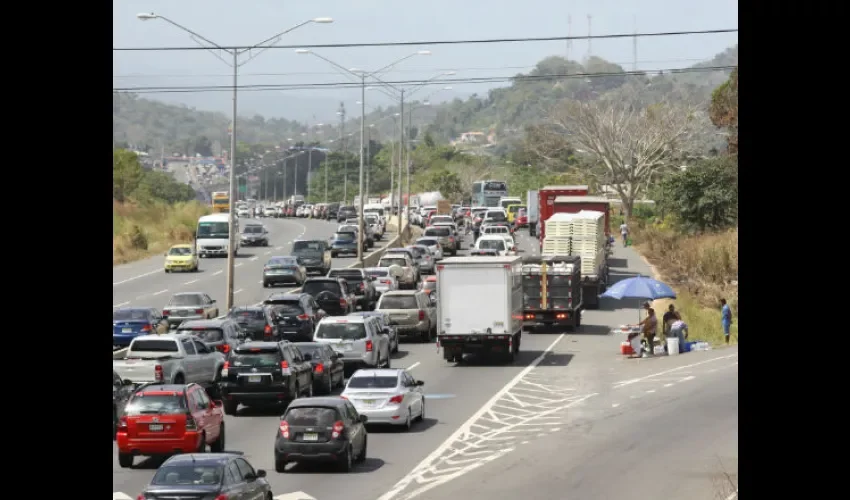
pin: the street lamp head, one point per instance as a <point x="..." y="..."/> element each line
<point x="302" y="51"/>
<point x="358" y="102"/>
<point x="290" y="139"/>
<point x="323" y="20"/>
<point x="146" y="16"/>
<point x="396" y="114"/>
<point x="356" y="70"/>
<point x="423" y="52"/>
<point x="450" y="73"/>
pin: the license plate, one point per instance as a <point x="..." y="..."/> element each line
<point x="369" y="402"/>
<point x="155" y="427"/>
<point x="310" y="437"/>
<point x="345" y="347"/>
<point x="255" y="378"/>
<point x="126" y="330"/>
<point x="182" y="313"/>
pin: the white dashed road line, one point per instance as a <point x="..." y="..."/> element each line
<point x="119" y="305"/>
<point x="253" y="258"/>
<point x="217" y="273"/>
<point x="414" y="365"/>
<point x="190" y="282"/>
<point x="237" y="291"/>
<point x="237" y="265"/>
<point x="160" y="292"/>
<point x="135" y="277"/>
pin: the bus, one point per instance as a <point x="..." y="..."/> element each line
<point x="220" y="202"/>
<point x="487" y="193"/>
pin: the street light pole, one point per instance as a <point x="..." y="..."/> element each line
<point x="231" y="248"/>
<point x="401" y="143"/>
<point x="362" y="134"/>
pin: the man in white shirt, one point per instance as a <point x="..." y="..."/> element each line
<point x="624" y="230"/>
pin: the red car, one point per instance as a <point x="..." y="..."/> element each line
<point x="166" y="419"/>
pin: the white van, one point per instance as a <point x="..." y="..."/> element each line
<point x="212" y="235"/>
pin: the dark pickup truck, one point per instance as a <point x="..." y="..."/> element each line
<point x="551" y="288"/>
<point x="361" y="283"/>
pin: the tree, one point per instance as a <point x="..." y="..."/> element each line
<point x="724" y="109"/>
<point x="446" y="182"/>
<point x="703" y="196"/>
<point x="127" y="173"/>
<point x="628" y="145"/>
<point x="203" y="146"/>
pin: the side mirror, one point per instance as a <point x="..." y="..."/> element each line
<point x="261" y="473"/>
<point x="363" y="419"/>
<point x="308" y="357"/>
<point x="419" y="383"/>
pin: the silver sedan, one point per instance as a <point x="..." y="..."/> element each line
<point x="387" y="396"/>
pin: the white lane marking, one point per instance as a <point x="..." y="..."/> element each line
<point x="465" y="429"/>
<point x="278" y="248"/>
<point x="414" y="365"/>
<point x="190" y="282"/>
<point x="119" y="305"/>
<point x="266" y="252"/>
<point x="650" y="391"/>
<point x="298" y="495"/>
<point x="689" y="377"/>
<point x="160" y="292"/>
<point x="614" y="405"/>
<point x="217" y="273"/>
<point x="237" y="291"/>
<point x="119" y="495"/>
<point x="135" y="277"/>
<point x="668" y="385"/>
<point x="624" y="383"/>
<point x="237" y="265"/>
<point x="260" y="282"/>
<point x="253" y="258"/>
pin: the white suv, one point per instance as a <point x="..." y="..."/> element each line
<point x="361" y="341"/>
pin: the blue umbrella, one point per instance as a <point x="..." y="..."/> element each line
<point x="640" y="288"/>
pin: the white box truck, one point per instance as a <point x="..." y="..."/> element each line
<point x="479" y="306"/>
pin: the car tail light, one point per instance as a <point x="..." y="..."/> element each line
<point x="303" y="317"/>
<point x="267" y="331"/>
<point x="397" y="399"/>
<point x="386" y="282"/>
<point x="319" y="368"/>
<point x="225" y="369"/>
<point x="191" y="425"/>
<point x="147" y="328"/>
<point x="166" y="312"/>
<point x="369" y="346"/>
<point x="199" y="311"/>
<point x="337" y="430"/>
<point x="284" y="365"/>
<point x="421" y="315"/>
<point x="284" y="429"/>
<point x="157" y="373"/>
<point x="225" y="348"/>
<point x="122" y="424"/>
<point x="343" y="303"/>
<point x="222" y="497"/>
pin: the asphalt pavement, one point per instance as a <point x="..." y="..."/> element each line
<point x="539" y="428"/>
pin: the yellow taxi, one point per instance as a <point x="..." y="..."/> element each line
<point x="181" y="258"/>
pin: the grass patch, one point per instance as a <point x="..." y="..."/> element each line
<point x="142" y="230"/>
<point x="701" y="268"/>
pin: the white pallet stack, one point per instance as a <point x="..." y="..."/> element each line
<point x="557" y="245"/>
<point x="560" y="225"/>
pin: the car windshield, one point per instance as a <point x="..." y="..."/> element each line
<point x="180" y="251"/>
<point x="344" y="236"/>
<point x="204" y="334"/>
<point x="316" y="287"/>
<point x="311" y="417"/>
<point x="254" y="359"/>
<point x="213" y="230"/>
<point x="253" y="229"/>
<point x="437" y="231"/>
<point x="344" y="331"/>
<point x="365" y="382"/>
<point x="390" y="261"/>
<point x="307" y="247"/>
<point x="154" y="404"/>
<point x="398" y="302"/>
<point x="492" y="244"/>
<point x="186" y="300"/>
<point x="287" y="308"/>
<point x="188" y="474"/>
<point x="131" y="315"/>
<point x="427" y="242"/>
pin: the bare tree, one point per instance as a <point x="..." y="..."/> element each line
<point x="629" y="145"/>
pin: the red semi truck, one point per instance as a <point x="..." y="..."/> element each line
<point x="546" y="201"/>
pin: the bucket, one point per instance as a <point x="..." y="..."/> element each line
<point x="672" y="346"/>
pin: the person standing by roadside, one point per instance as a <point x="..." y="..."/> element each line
<point x="667" y="321"/>
<point x="725" y="318"/>
<point x="650" y="328"/>
<point x="624" y="231"/>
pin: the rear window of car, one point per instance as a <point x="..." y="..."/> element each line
<point x="343" y="331"/>
<point x="398" y="302"/>
<point x="154" y="404"/>
<point x="345" y="274"/>
<point x="131" y="315"/>
<point x="316" y="287"/>
<point x="417" y="252"/>
<point x="437" y="231"/>
<point x="392" y="261"/>
<point x="378" y="273"/>
<point x="154" y="345"/>
<point x="427" y="242"/>
<point x="344" y="236"/>
<point x="372" y="382"/>
<point x="314" y="246"/>
<point x="247" y="314"/>
<point x="205" y="334"/>
<point x="188" y="474"/>
<point x="492" y="244"/>
<point x="314" y="350"/>
<point x="265" y="359"/>
<point x="185" y="300"/>
<point x="287" y="308"/>
<point x="312" y="416"/>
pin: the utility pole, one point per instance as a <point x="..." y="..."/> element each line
<point x="360" y="235"/>
<point x="409" y="127"/>
<point x="634" y="46"/>
<point x="400" y="157"/>
<point x="368" y="158"/>
<point x="342" y="147"/>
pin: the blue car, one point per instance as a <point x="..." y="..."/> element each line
<point x="130" y="322"/>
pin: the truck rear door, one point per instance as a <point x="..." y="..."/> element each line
<point x="473" y="288"/>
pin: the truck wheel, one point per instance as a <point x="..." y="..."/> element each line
<point x="218" y="445"/>
<point x="230" y="407"/>
<point x="125" y="460"/>
<point x="578" y="319"/>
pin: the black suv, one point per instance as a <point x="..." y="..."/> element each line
<point x="296" y="315"/>
<point x="263" y="373"/>
<point x="332" y="211"/>
<point x="362" y="284"/>
<point x="346" y="212"/>
<point x="332" y="294"/>
<point x="257" y="322"/>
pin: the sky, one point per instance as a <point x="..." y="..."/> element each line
<point x="246" y="22"/>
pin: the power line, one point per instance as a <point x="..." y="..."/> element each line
<point x="468" y="80"/>
<point x="400" y="70"/>
<point x="434" y="42"/>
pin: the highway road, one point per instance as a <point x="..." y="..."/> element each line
<point x="569" y="418"/>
